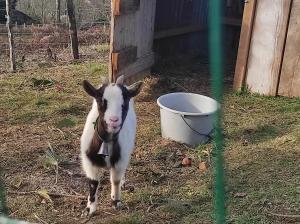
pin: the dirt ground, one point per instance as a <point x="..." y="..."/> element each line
<point x="261" y="148"/>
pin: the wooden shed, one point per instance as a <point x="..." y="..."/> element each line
<point x="268" y="60"/>
<point x="145" y="31"/>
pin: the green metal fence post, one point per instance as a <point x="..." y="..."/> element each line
<point x="215" y="35"/>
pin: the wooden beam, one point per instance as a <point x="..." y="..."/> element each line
<point x="137" y="77"/>
<point x="178" y="31"/>
<point x="114" y="61"/>
<point x="138" y="66"/>
<point x="244" y="45"/>
<point x="192" y="29"/>
<point x="122" y="7"/>
<point x="116" y="7"/>
<point x="231" y="21"/>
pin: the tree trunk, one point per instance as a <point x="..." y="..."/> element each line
<point x="72" y="29"/>
<point x="43" y="12"/>
<point x="10" y="36"/>
<point x="57" y="11"/>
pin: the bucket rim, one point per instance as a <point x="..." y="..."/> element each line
<point x="183" y="112"/>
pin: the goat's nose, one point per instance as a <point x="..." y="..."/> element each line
<point x="114" y="119"/>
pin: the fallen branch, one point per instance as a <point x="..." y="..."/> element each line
<point x="25" y="80"/>
<point x="76" y="193"/>
<point x="178" y="85"/>
<point x="13" y="213"/>
<point x="188" y="148"/>
<point x="150" y="207"/>
<point x="56" y="174"/>
<point x="66" y="171"/>
<point x="293" y="218"/>
<point x="40" y="220"/>
<point x="57" y="129"/>
<point x="108" y="213"/>
<point x="50" y="194"/>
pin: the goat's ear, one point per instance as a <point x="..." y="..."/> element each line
<point x="135" y="89"/>
<point x="89" y="88"/>
<point x="120" y="80"/>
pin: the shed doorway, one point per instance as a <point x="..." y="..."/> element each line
<point x="154" y="35"/>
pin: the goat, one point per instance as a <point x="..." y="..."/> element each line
<point x="108" y="136"/>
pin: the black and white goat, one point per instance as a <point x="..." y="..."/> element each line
<point x="109" y="136"/>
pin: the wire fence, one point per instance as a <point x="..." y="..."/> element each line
<point x="38" y="44"/>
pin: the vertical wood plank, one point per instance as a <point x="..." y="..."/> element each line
<point x="114" y="64"/>
<point x="121" y="7"/>
<point x="267" y="44"/>
<point x="116" y="7"/>
<point x="145" y="27"/>
<point x="290" y="74"/>
<point x="244" y="45"/>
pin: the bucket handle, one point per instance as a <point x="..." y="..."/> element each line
<point x="197" y="132"/>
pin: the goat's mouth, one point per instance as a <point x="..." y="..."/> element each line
<point x="113" y="128"/>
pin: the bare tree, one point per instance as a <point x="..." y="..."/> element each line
<point x="73" y="29"/>
<point x="42" y="12"/>
<point x="57" y="11"/>
<point x="10" y="36"/>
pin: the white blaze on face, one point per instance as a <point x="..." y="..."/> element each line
<point x="113" y="114"/>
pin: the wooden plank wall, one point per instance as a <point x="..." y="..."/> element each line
<point x="267" y="44"/>
<point x="178" y="13"/>
<point x="290" y="74"/>
<point x="132" y="32"/>
<point x="188" y="19"/>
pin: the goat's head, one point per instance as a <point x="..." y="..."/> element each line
<point x="113" y="101"/>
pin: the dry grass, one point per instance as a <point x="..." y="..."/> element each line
<point x="262" y="139"/>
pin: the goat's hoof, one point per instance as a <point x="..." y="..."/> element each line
<point x="87" y="213"/>
<point x="116" y="204"/>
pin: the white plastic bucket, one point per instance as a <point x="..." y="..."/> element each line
<point x="187" y="117"/>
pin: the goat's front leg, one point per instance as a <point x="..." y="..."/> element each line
<point x="116" y="176"/>
<point x="92" y="198"/>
